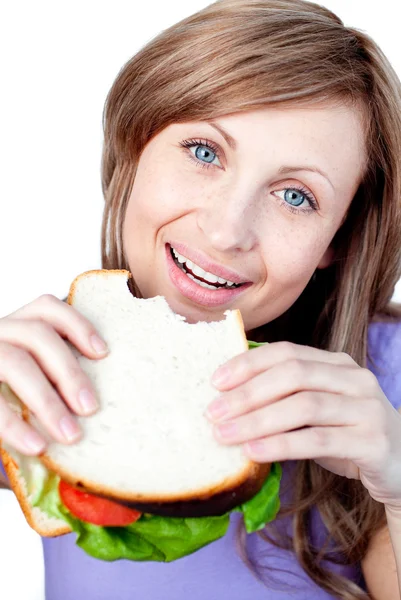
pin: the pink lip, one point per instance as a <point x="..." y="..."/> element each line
<point x="196" y="293"/>
<point x="207" y="265"/>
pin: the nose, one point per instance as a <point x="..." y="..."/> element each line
<point x="228" y="221"/>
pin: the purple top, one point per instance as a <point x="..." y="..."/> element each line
<point x="215" y="571"/>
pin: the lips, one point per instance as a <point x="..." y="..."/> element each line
<point x="194" y="292"/>
<point x="208" y="265"/>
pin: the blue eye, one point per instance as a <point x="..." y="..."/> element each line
<point x="205" y="152"/>
<point x="295" y="197"/>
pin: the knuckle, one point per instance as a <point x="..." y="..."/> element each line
<point x="288" y="349"/>
<point x="243" y="397"/>
<point x="12" y="356"/>
<point x="346" y="358"/>
<point x="321" y="437"/>
<point x="376" y="414"/>
<point x="310" y="406"/>
<point x="75" y="374"/>
<point x="297" y="370"/>
<point x="368" y="378"/>
<point x="47" y="300"/>
<point x="249" y="426"/>
<point x="40" y="329"/>
<point x="50" y="402"/>
<point x="282" y="445"/>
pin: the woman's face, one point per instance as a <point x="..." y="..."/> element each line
<point x="258" y="205"/>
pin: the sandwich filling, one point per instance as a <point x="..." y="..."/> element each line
<point x="108" y="530"/>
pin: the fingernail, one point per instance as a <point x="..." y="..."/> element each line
<point x="255" y="448"/>
<point x="227" y="430"/>
<point x="222" y="375"/>
<point x="34" y="442"/>
<point x="70" y="429"/>
<point x="99" y="346"/>
<point x="87" y="401"/>
<point x="217" y="409"/>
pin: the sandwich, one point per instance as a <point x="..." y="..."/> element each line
<point x="147" y="480"/>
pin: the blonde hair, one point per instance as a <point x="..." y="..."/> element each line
<point x="242" y="55"/>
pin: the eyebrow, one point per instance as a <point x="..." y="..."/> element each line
<point x="229" y="139"/>
<point x="306" y="168"/>
<point x="233" y="145"/>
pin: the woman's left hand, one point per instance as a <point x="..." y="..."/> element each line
<point x="284" y="401"/>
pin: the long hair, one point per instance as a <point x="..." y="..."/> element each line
<point x="241" y="55"/>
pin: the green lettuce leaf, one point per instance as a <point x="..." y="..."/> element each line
<point x="150" y="538"/>
<point x="264" y="506"/>
<point x="255" y="344"/>
<point x="155" y="538"/>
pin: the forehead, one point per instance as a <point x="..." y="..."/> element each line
<point x="318" y="128"/>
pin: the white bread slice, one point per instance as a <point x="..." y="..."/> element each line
<point x="150" y="440"/>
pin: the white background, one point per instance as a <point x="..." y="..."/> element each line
<point x="58" y="61"/>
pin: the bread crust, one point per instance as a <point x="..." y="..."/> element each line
<point x="207" y="501"/>
<point x="17" y="485"/>
<point x="199" y="505"/>
<point x="103" y="272"/>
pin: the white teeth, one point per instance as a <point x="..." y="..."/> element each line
<point x="201" y="283"/>
<point x="199" y="272"/>
<point x="180" y="258"/>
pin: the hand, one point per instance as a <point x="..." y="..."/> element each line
<point x="41" y="369"/>
<point x="288" y="402"/>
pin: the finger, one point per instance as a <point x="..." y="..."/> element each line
<point x="252" y="362"/>
<point x="55" y="358"/>
<point x="309" y="443"/>
<point x="287" y="378"/>
<point x="20" y="371"/>
<point x="299" y="410"/>
<point x="17" y="433"/>
<point x="67" y="321"/>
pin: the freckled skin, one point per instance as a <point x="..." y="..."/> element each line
<point x="236" y="208"/>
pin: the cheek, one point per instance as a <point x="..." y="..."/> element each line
<point x="293" y="256"/>
<point x="157" y="199"/>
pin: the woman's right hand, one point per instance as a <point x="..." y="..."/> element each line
<point x="43" y="372"/>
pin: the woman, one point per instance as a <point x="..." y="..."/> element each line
<point x="260" y="140"/>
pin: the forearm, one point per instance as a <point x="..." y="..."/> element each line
<point x="394" y="526"/>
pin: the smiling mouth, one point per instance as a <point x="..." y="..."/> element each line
<point x="187" y="269"/>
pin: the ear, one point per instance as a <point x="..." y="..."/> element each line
<point x="326" y="259"/>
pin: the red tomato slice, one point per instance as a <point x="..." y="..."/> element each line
<point x="92" y="509"/>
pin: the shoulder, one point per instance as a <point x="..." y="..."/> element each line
<point x="384" y="352"/>
<point x="384" y="332"/>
